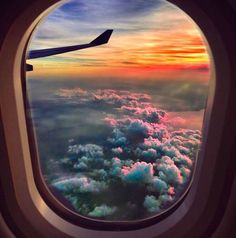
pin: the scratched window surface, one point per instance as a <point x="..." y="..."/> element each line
<point x="118" y="125"/>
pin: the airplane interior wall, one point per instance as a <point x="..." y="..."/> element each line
<point x="222" y="221"/>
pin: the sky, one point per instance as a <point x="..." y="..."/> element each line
<point x="151" y="39"/>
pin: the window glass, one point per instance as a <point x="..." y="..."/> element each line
<point x="118" y="126"/>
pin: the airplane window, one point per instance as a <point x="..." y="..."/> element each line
<point x="116" y="93"/>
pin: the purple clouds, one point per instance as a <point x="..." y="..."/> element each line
<point x="142" y="151"/>
<point x="107" y="96"/>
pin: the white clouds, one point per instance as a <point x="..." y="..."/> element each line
<point x="81" y="185"/>
<point x="75" y="20"/>
<point x="90" y="150"/>
<point x="87" y="156"/>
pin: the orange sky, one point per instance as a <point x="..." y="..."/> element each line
<point x="171" y="42"/>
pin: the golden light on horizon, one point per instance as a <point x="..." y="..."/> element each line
<point x="164" y="45"/>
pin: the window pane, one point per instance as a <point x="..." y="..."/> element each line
<point x="118" y="126"/>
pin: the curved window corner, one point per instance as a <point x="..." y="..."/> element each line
<point x="115" y="119"/>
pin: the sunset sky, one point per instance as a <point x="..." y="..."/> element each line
<point x="151" y="39"/>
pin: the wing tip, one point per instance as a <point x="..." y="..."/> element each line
<point x="103" y="38"/>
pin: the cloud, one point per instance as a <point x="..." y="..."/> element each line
<point x="185" y="173"/>
<point x="118" y="138"/>
<point x="152" y="204"/>
<point x="157" y="142"/>
<point x="168" y="171"/>
<point x="141" y="147"/>
<point x="140" y="172"/>
<point x="87" y="156"/>
<point x="117" y="150"/>
<point x="173" y="96"/>
<point x="81" y="185"/>
<point x="70" y="93"/>
<point x="138" y="128"/>
<point x="149" y="155"/>
<point x="117" y="165"/>
<point x="105" y="97"/>
<point x="91" y="11"/>
<point x="158" y="185"/>
<point x="148" y="114"/>
<point x="102" y="211"/>
<point x="89" y="150"/>
<point x="119" y="98"/>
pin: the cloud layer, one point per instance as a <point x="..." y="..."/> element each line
<point x="143" y="153"/>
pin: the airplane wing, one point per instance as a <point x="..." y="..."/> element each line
<point x="100" y="40"/>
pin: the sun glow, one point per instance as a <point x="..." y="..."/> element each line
<point x="166" y="39"/>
